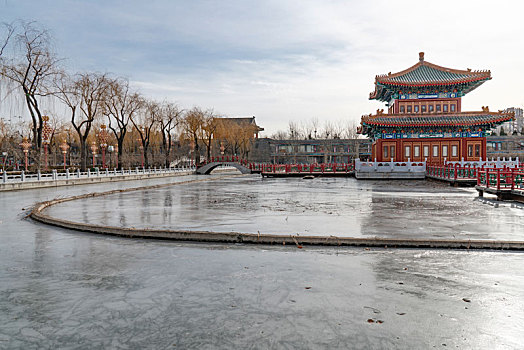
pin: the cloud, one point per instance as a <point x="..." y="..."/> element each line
<point x="284" y="60"/>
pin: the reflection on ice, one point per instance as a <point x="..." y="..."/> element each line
<point x="324" y="206"/>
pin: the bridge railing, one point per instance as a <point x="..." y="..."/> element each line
<point x="388" y="167"/>
<point x="455" y="171"/>
<point x="488" y="163"/>
<point x="501" y="179"/>
<point x="67" y="175"/>
<point x="227" y="159"/>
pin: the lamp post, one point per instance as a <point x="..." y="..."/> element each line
<point x="102" y="139"/>
<point x="191" y="152"/>
<point x="46" y="133"/>
<point x="64" y="147"/>
<point x="93" y="151"/>
<point x="26" y="145"/>
<point x="110" y="149"/>
<point x="4" y="160"/>
<point x="116" y="156"/>
<point x="141" y="148"/>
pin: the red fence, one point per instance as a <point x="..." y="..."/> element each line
<point x="452" y="172"/>
<point x="501" y="179"/>
<point x="458" y="172"/>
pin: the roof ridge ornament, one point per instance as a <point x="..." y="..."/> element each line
<point x="421" y="56"/>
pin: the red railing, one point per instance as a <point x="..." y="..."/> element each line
<point x="501" y="179"/>
<point x="334" y="168"/>
<point x="452" y="172"/>
<point x="458" y="172"/>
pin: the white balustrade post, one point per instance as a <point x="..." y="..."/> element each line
<point x="4" y="176"/>
<point x="55" y="174"/>
<point x="107" y="172"/>
<point x="38" y="175"/>
<point x="98" y="172"/>
<point x="88" y="172"/>
<point x="67" y="173"/>
<point x="22" y="176"/>
<point x="78" y="173"/>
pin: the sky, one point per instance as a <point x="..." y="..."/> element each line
<point x="283" y="60"/>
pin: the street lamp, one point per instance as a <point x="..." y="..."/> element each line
<point x="4" y="155"/>
<point x="110" y="149"/>
<point x="46" y="133"/>
<point x="93" y="151"/>
<point x="64" y="147"/>
<point x="26" y="145"/>
<point x="102" y="139"/>
<point x="116" y="156"/>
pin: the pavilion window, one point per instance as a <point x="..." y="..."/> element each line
<point x="392" y="151"/>
<point x="470" y="150"/>
<point x="385" y="155"/>
<point x="445" y="108"/>
<point x="444" y="151"/>
<point x="423" y="107"/>
<point x="426" y="151"/>
<point x="416" y="109"/>
<point x="439" y="107"/>
<point x="452" y="107"/>
<point x="454" y="151"/>
<point x="407" y="152"/>
<point x="416" y="151"/>
<point x="409" y="109"/>
<point x="402" y="109"/>
<point x="435" y="151"/>
<point x="430" y="108"/>
<point x="477" y="150"/>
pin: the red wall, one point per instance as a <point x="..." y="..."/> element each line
<point x="469" y="148"/>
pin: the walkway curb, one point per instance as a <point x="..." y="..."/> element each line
<point x="250" y="238"/>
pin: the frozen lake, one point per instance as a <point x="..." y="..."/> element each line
<point x="66" y="289"/>
<point x="323" y="206"/>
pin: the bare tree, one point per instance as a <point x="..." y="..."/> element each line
<point x="294" y="131"/>
<point x="209" y="128"/>
<point x="350" y="131"/>
<point x="31" y="69"/>
<point x="9" y="31"/>
<point x="192" y="129"/>
<point x="85" y="96"/>
<point x="170" y="116"/>
<point x="144" y="122"/>
<point x="120" y="106"/>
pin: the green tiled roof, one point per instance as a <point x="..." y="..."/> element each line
<point x="423" y="74"/>
<point x="456" y="119"/>
<point x="427" y="77"/>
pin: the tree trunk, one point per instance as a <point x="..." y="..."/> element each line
<point x="83" y="155"/>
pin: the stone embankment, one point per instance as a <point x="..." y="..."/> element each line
<point x="38" y="214"/>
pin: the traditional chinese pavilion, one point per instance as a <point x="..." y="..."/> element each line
<point x="424" y="119"/>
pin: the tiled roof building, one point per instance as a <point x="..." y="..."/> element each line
<point x="424" y="119"/>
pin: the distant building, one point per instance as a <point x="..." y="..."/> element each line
<point x="246" y="121"/>
<point x="311" y="151"/>
<point x="515" y="126"/>
<point x="505" y="146"/>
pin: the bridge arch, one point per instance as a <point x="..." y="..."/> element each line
<point x="208" y="168"/>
